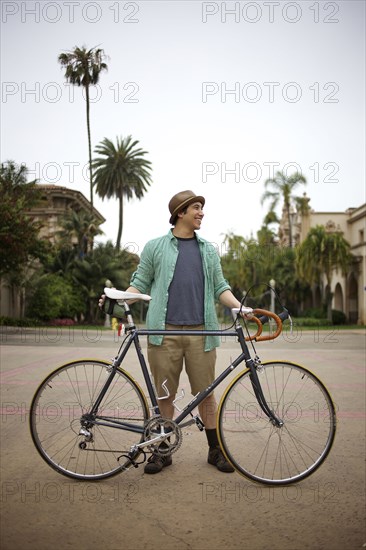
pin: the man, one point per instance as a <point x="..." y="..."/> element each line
<point x="182" y="273"/>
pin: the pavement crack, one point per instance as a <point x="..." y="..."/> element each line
<point x="172" y="536"/>
<point x="163" y="528"/>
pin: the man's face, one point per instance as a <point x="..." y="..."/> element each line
<point x="194" y="215"/>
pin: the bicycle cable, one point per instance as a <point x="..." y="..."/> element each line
<point x="269" y="287"/>
<point x="256" y="358"/>
<point x="242" y="305"/>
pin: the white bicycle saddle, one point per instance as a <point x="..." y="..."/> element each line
<point x="115" y="294"/>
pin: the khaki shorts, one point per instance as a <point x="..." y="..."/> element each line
<point x="166" y="361"/>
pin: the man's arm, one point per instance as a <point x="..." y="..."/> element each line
<point x="135" y="290"/>
<point x="142" y="276"/>
<point x="228" y="299"/>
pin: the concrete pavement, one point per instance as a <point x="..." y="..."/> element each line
<point x="189" y="505"/>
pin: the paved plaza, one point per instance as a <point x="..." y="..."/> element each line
<point x="190" y="505"/>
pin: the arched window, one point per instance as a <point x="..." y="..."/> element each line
<point x="338" y="298"/>
<point x="352" y="298"/>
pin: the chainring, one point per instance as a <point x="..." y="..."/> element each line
<point x="160" y="425"/>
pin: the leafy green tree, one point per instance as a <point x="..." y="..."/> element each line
<point x="282" y="187"/>
<point x="291" y="290"/>
<point x="83" y="68"/>
<point x="104" y="262"/>
<point x="251" y="264"/>
<point x="122" y="172"/>
<point x="233" y="264"/>
<point x="321" y="254"/>
<point x="80" y="226"/>
<point x="55" y="297"/>
<point x="244" y="262"/>
<point x="19" y="241"/>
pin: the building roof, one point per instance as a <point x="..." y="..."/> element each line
<point x="73" y="195"/>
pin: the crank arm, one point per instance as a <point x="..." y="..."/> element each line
<point x="187" y="423"/>
<point x="157" y="439"/>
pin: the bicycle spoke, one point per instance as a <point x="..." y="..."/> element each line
<point x="57" y="413"/>
<point x="268" y="453"/>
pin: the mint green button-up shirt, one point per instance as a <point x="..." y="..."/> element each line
<point x="155" y="273"/>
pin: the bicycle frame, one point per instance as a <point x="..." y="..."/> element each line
<point x="271" y="435"/>
<point x="133" y="337"/>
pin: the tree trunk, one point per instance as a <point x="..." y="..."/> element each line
<point x="289" y="226"/>
<point x="89" y="145"/>
<point x="120" y="223"/>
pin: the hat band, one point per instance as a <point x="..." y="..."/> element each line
<point x="182" y="204"/>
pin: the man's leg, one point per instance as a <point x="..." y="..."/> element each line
<point x="166" y="407"/>
<point x="208" y="412"/>
<point x="200" y="367"/>
<point x="166" y="363"/>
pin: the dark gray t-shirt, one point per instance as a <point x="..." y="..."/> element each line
<point x="186" y="291"/>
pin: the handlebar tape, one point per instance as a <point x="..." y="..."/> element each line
<point x="283" y="316"/>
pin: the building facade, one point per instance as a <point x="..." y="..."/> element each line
<point x="349" y="290"/>
<point x="55" y="201"/>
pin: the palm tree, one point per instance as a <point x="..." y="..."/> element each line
<point x="61" y="261"/>
<point x="121" y="171"/>
<point x="322" y="253"/>
<point x="302" y="205"/>
<point x="282" y="186"/>
<point x="81" y="226"/>
<point x="14" y="176"/>
<point x="270" y="217"/>
<point x="83" y="68"/>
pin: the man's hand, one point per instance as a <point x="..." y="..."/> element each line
<point x="246" y="313"/>
<point x="101" y="301"/>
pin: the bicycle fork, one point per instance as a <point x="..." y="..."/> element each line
<point x="257" y="388"/>
<point x="253" y="365"/>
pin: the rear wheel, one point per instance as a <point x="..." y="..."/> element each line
<point x="277" y="455"/>
<point x="70" y="441"/>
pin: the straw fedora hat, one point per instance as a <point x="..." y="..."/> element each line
<point x="180" y="201"/>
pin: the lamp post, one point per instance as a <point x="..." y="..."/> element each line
<point x="107" y="322"/>
<point x="272" y="284"/>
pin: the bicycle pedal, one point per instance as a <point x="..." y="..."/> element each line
<point x="200" y="424"/>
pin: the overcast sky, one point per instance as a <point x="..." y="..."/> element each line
<point x="220" y="94"/>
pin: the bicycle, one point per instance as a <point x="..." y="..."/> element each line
<point x="276" y="420"/>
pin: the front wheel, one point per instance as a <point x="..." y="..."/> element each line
<point x="260" y="450"/>
<point x="87" y="449"/>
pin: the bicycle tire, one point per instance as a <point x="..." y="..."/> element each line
<point x="56" y="410"/>
<point x="277" y="455"/>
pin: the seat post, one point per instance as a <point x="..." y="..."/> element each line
<point x="130" y="321"/>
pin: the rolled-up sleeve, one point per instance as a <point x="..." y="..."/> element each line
<point x="216" y="284"/>
<point x="220" y="283"/>
<point x="143" y="277"/>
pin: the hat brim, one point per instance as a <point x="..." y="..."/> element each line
<point x="185" y="203"/>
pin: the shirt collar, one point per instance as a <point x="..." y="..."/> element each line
<point x="172" y="237"/>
